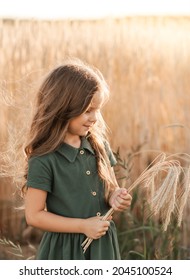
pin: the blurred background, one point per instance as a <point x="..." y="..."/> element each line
<point x="143" y="50"/>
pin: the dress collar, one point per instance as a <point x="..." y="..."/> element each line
<point x="70" y="152"/>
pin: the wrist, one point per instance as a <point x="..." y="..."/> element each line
<point x="82" y="225"/>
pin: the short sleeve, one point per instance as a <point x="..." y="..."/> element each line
<point x="110" y="154"/>
<point x="39" y="174"/>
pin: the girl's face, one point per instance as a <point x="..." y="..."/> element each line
<point x="80" y="125"/>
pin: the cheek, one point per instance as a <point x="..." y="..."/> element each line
<point x="78" y="121"/>
<point x="83" y="118"/>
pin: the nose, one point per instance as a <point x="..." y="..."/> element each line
<point x="93" y="117"/>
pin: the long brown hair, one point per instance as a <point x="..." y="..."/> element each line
<point x="66" y="93"/>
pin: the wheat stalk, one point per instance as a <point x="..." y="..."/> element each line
<point x="165" y="196"/>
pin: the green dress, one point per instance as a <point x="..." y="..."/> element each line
<point x="69" y="175"/>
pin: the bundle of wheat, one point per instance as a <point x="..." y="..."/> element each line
<point x="168" y="187"/>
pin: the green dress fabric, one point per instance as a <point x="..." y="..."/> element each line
<point x="69" y="175"/>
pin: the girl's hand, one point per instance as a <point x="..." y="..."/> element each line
<point x="120" y="199"/>
<point x="95" y="228"/>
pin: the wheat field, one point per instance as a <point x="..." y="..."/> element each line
<point x="145" y="61"/>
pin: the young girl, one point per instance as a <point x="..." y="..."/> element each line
<point x="70" y="181"/>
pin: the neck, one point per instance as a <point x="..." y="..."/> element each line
<point x="74" y="141"/>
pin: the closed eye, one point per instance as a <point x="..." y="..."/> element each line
<point x="89" y="110"/>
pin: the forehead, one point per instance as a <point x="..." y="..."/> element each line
<point x="97" y="100"/>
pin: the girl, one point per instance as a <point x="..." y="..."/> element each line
<point x="70" y="181"/>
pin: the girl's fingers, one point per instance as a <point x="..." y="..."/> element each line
<point x="121" y="200"/>
<point x="121" y="204"/>
<point x="125" y="200"/>
<point x="106" y="223"/>
<point x="102" y="233"/>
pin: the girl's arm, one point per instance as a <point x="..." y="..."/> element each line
<point x="37" y="216"/>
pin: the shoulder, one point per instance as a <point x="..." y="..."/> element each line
<point x="41" y="161"/>
<point x="40" y="172"/>
<point x="41" y="158"/>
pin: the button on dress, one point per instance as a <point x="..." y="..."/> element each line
<point x="74" y="189"/>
